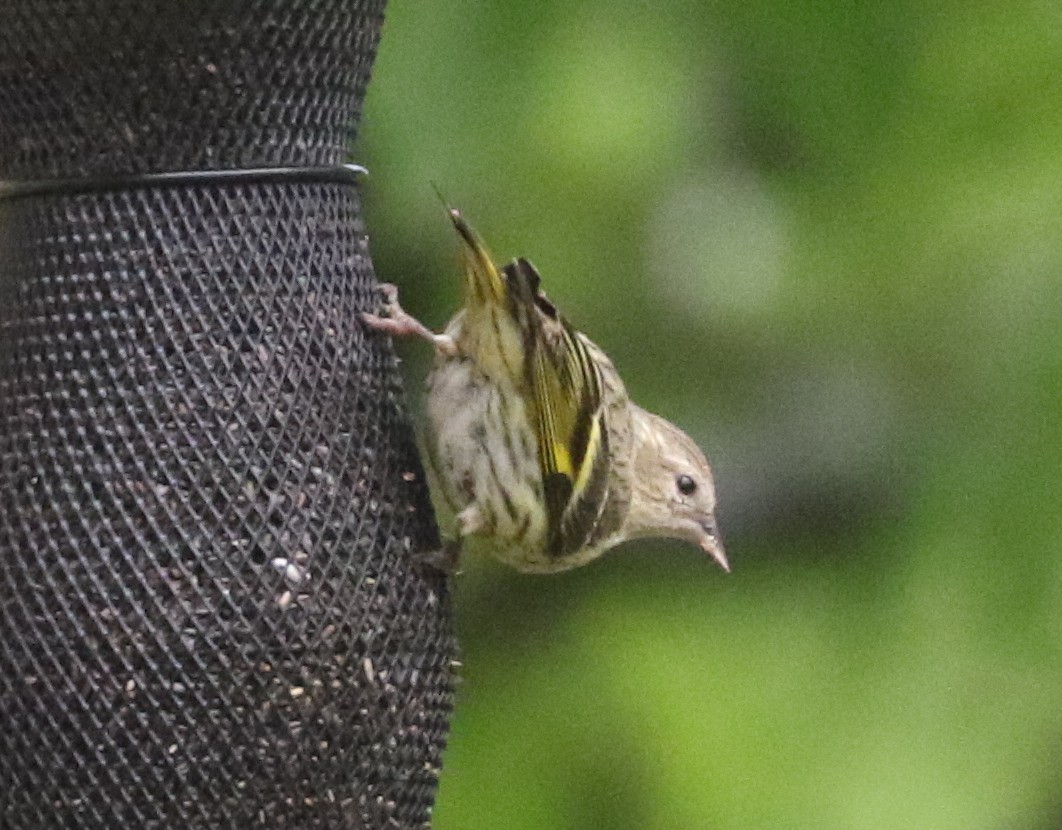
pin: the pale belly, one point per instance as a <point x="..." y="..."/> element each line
<point x="484" y="453"/>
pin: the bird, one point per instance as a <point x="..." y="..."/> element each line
<point x="532" y="435"/>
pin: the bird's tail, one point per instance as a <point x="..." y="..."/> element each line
<point x="484" y="284"/>
<point x="490" y="332"/>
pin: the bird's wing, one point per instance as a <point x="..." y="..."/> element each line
<point x="567" y="413"/>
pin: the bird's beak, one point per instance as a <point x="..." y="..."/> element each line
<point x="711" y="545"/>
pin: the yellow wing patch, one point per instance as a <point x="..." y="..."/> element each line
<point x="567" y="396"/>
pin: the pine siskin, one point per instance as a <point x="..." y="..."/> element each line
<point x="536" y="443"/>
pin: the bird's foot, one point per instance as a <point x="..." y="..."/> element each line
<point x="444" y="558"/>
<point x="447" y="557"/>
<point x="397" y="322"/>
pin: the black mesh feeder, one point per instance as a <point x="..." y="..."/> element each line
<point x="210" y="614"/>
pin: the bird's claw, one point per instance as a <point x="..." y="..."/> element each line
<point x="444" y="558"/>
<point x="397" y="322"/>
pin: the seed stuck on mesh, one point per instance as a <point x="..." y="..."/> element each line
<point x="295" y="574"/>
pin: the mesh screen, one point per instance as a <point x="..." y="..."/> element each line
<point x="208" y="487"/>
<point x="96" y="86"/>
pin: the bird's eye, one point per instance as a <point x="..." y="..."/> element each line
<point x="686" y="485"/>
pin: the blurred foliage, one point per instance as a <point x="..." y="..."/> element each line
<point x="825" y="238"/>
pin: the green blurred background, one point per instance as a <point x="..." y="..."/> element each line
<point x="823" y="237"/>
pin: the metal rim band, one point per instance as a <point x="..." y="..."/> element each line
<point x="335" y="174"/>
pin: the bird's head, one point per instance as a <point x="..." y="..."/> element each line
<point x="672" y="492"/>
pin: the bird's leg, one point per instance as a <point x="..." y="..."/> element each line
<point x="397" y="322"/>
<point x="447" y="557"/>
<point x="444" y="558"/>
